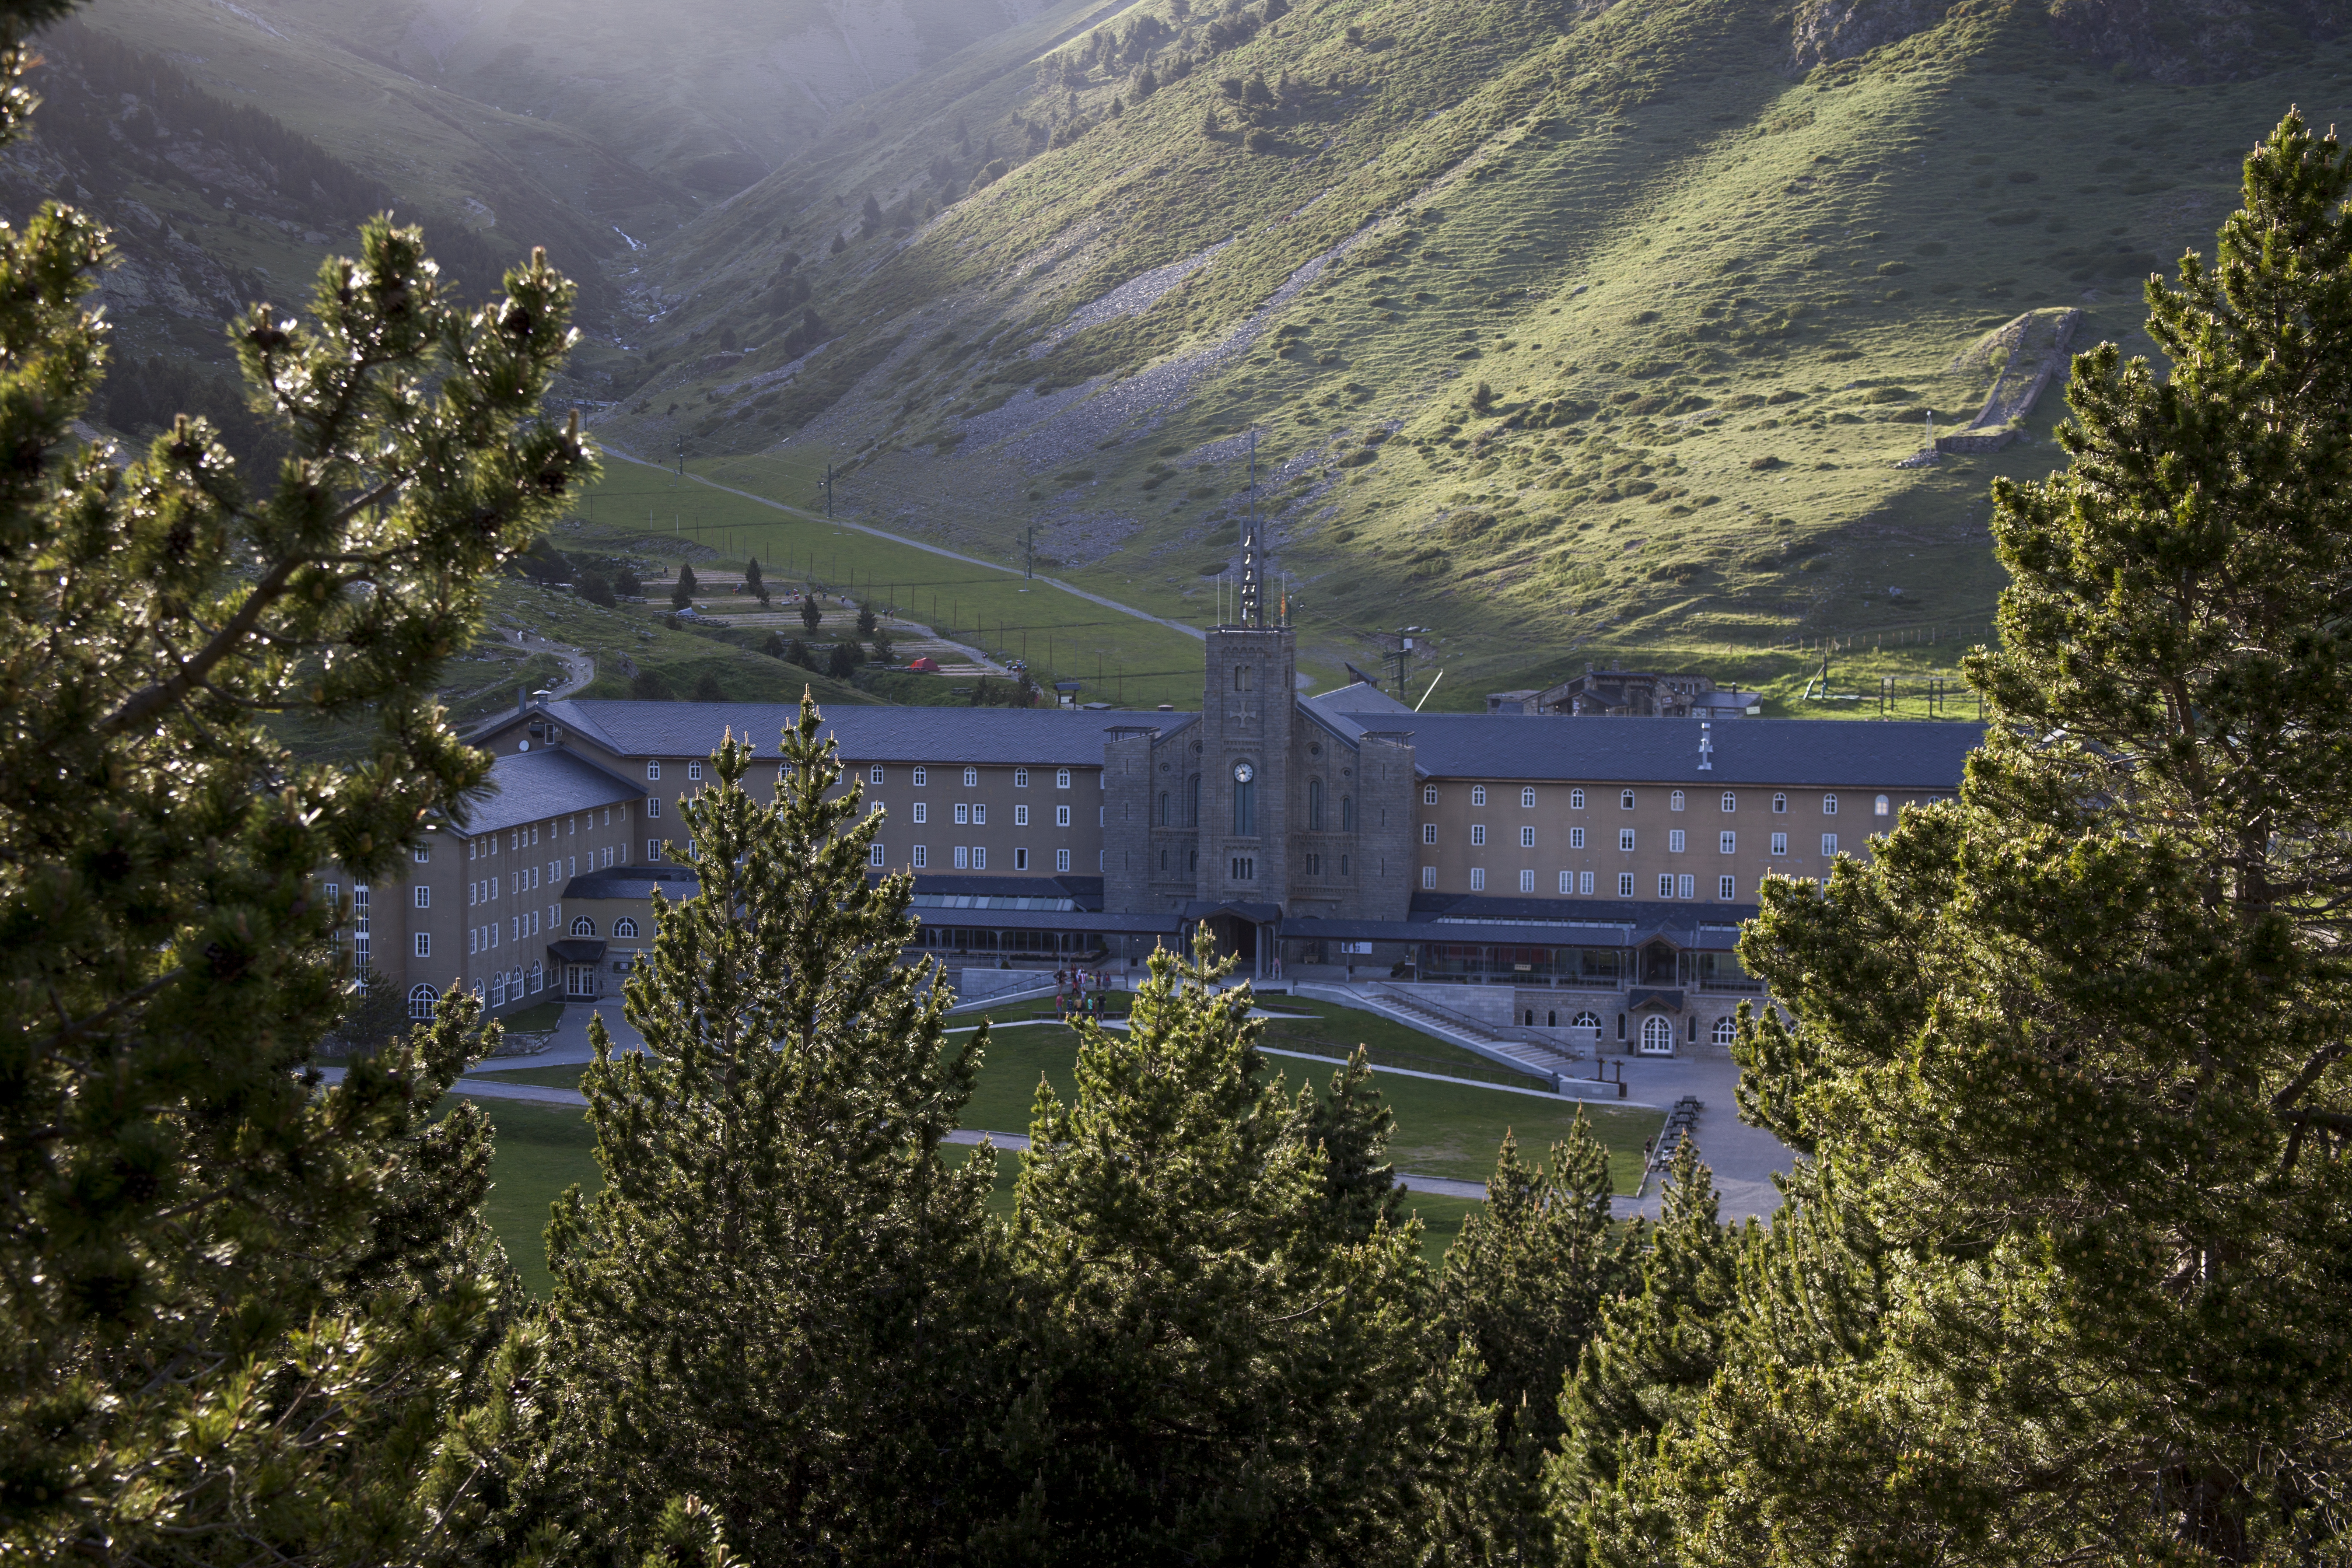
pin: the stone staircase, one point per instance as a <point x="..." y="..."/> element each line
<point x="1504" y="1043"/>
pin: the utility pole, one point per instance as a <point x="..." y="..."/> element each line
<point x="1029" y="563"/>
<point x="681" y="457"/>
<point x="1400" y="658"/>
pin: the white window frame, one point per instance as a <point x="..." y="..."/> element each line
<point x="1020" y="859"/>
<point x="1730" y="802"/>
<point x="653" y="770"/>
<point x="1477" y="878"/>
<point x="694" y="772"/>
<point x="1576" y="800"/>
<point x="1576" y="838"/>
<point x="1625" y="800"/>
<point x="1665" y="884"/>
<point x="1527" y="795"/>
<point x="1061" y="859"/>
<point x="1779" y="804"/>
<point x="1584" y="884"/>
<point x="1567" y="883"/>
<point x="423" y="897"/>
<point x="922" y="777"/>
<point x="980" y="857"/>
<point x="1674" y="801"/>
<point x="1526" y="837"/>
<point x="1020" y="816"/>
<point x="1428" y="878"/>
<point x="1727" y="843"/>
<point x="1429" y="795"/>
<point x="1779" y="844"/>
<point x="970" y="778"/>
<point x="1829" y="844"/>
<point x="1527" y="881"/>
<point x="963" y="814"/>
<point x="874" y="853"/>
<point x="1429" y="833"/>
<point x="1674" y="841"/>
<point x="922" y="855"/>
<point x="424" y="945"/>
<point x="1624" y="884"/>
<point x="979" y="813"/>
<point x="1686" y="885"/>
<point x="1625" y="840"/>
<point x="922" y="811"/>
<point x="874" y="773"/>
<point x="1061" y="816"/>
<point x="1829" y="805"/>
<point x="1477" y="835"/>
<point x="1881" y="807"/>
<point x="1061" y="778"/>
<point x="652" y="806"/>
<point x="1478" y="794"/>
<point x="1021" y="778"/>
<point x="1727" y="889"/>
<point x="963" y="857"/>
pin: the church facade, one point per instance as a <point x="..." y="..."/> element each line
<point x="1583" y="883"/>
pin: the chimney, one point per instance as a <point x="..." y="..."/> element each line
<point x="523" y="699"/>
<point x="1706" y="747"/>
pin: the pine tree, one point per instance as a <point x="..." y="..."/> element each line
<point x="1213" y="1374"/>
<point x="1522" y="1286"/>
<point x="771" y="1303"/>
<point x="2066" y="1276"/>
<point x="811" y="613"/>
<point x="753" y="583"/>
<point x="245" y="1310"/>
<point x="683" y="590"/>
<point x="842" y="662"/>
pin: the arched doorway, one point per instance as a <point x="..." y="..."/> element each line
<point x="1657" y="1036"/>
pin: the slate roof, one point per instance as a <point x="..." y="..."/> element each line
<point x="530" y="787"/>
<point x="631" y="881"/>
<point x="1833" y="754"/>
<point x="1034" y="737"/>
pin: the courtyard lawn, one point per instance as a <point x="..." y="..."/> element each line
<point x="541" y="1151"/>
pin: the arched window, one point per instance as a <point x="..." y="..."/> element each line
<point x="1528" y="795"/>
<point x="1244" y="807"/>
<point x="1657" y="1037"/>
<point x="1163" y="809"/>
<point x="1726" y="1031"/>
<point x="1878" y="807"/>
<point x="1780" y="803"/>
<point x="1829" y="805"/>
<point x="1674" y="801"/>
<point x="1347" y="814"/>
<point x="1576" y="800"/>
<point x="421" y="999"/>
<point x="514" y="982"/>
<point x="498" y="990"/>
<point x="583" y="926"/>
<point x="1478" y="794"/>
<point x="1730" y="801"/>
<point x="538" y="978"/>
<point x="1192" y="801"/>
<point x="1585" y="1029"/>
<point x="1315" y="806"/>
<point x="625" y="928"/>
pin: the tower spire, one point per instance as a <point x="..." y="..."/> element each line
<point x="1250" y="615"/>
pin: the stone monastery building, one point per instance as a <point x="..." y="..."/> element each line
<point x="1582" y="880"/>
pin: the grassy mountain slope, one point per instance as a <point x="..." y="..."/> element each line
<point x="1712" y="277"/>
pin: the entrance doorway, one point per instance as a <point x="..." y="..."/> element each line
<point x="580" y="980"/>
<point x="1657" y="1037"/>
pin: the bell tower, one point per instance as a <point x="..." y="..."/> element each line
<point x="1246" y="721"/>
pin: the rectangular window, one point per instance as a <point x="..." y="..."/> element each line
<point x="424" y="853"/>
<point x="1728" y="843"/>
<point x="1061" y="816"/>
<point x="1061" y="859"/>
<point x="1567" y="883"/>
<point x="1584" y="883"/>
<point x="1020" y="816"/>
<point x="1429" y="833"/>
<point x="980" y="857"/>
<point x="1686" y="886"/>
<point x="1244" y="869"/>
<point x="1624" y="839"/>
<point x="874" y="853"/>
<point x="1062" y="779"/>
<point x="1100" y="812"/>
<point x="1576" y="838"/>
<point x="1779" y="844"/>
<point x="1021" y="859"/>
<point x="922" y="777"/>
<point x="1828" y="843"/>
<point x="652" y="806"/>
<point x="979" y="815"/>
<point x="423" y="945"/>
<point x="1021" y="778"/>
<point x="1526" y="837"/>
<point x="473" y="940"/>
<point x="1477" y="878"/>
<point x="494" y="888"/>
<point x="963" y="858"/>
<point x="1527" y="881"/>
<point x="1624" y="884"/>
<point x="423" y="897"/>
<point x="1674" y="841"/>
<point x="653" y="848"/>
<point x="1726" y="888"/>
<point x="922" y="855"/>
<point x="1477" y="833"/>
<point x="1428" y="876"/>
<point x="1665" y="884"/>
<point x="922" y="811"/>
<point x="964" y="814"/>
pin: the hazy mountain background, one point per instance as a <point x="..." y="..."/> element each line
<point x="1571" y="329"/>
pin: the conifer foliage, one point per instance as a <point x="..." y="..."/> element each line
<point x="245" y="1314"/>
<point x="769" y="1305"/>
<point x="1214" y="1374"/>
<point x="2067" y="1276"/>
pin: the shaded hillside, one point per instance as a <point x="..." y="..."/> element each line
<point x="1568" y="331"/>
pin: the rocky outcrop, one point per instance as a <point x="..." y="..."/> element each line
<point x="2195" y="40"/>
<point x="1826" y="31"/>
